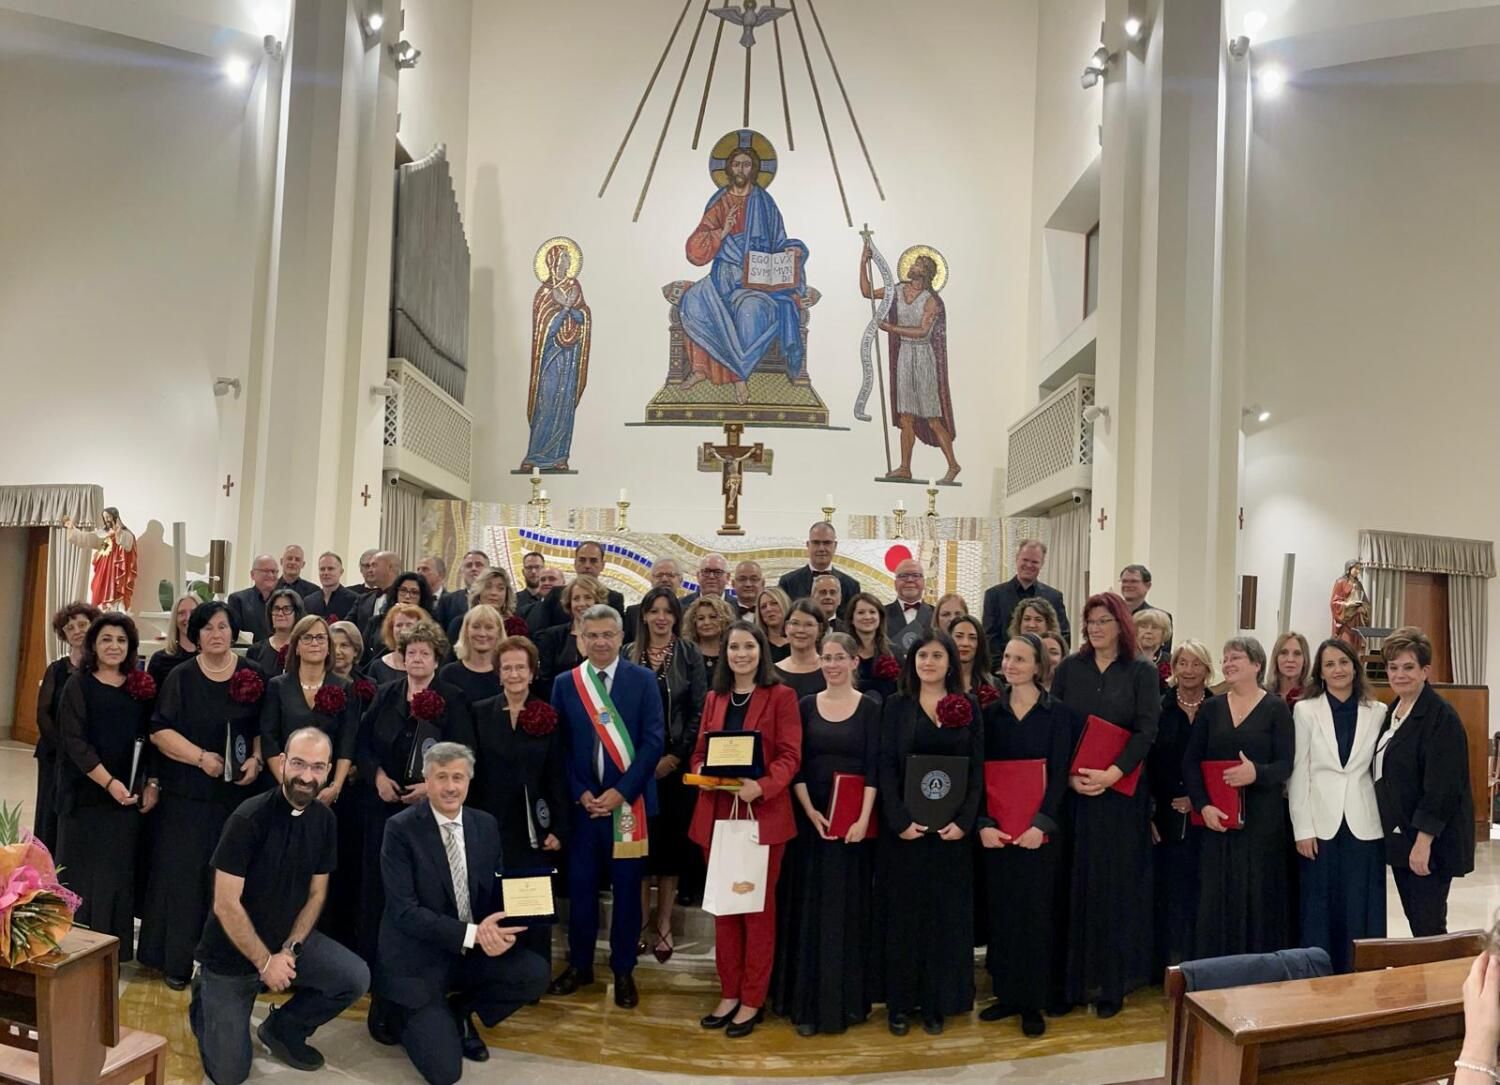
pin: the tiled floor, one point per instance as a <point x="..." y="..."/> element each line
<point x="586" y="1039"/>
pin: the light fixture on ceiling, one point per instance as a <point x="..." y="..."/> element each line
<point x="1257" y="412"/>
<point x="1270" y="80"/>
<point x="405" y="54"/>
<point x="369" y="26"/>
<point x="236" y="71"/>
<point x="1133" y="28"/>
<point x="375" y="21"/>
<point x="1096" y="67"/>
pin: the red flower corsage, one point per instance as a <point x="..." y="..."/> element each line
<point x="364" y="689"/>
<point x="428" y="705"/>
<point x="887" y="667"/>
<point x="246" y="687"/>
<point x="330" y="700"/>
<point x="1293" y="695"/>
<point x="515" y="626"/>
<point x="987" y="694"/>
<point x="955" y="710"/>
<point x="281" y="658"/>
<point x="1164" y="670"/>
<point x="140" y="685"/>
<point x="537" y="718"/>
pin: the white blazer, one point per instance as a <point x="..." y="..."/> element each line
<point x="1323" y="793"/>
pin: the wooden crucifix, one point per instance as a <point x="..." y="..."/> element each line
<point x="732" y="456"/>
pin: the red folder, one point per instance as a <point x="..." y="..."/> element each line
<point x="1013" y="792"/>
<point x="1101" y="743"/>
<point x="847" y="803"/>
<point x="1225" y="796"/>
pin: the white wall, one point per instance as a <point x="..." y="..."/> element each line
<point x="1373" y="318"/>
<point x="434" y="97"/>
<point x="944" y="94"/>
<point x="121" y="272"/>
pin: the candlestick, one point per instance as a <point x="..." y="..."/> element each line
<point x="828" y="509"/>
<point x="536" y="486"/>
<point x="623" y="495"/>
<point x="541" y="510"/>
<point x="901" y="506"/>
<point x="932" y="493"/>
<point x="544" y="495"/>
<point x="623" y="523"/>
<point x="900" y="513"/>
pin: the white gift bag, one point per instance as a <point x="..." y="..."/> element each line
<point x="738" y="864"/>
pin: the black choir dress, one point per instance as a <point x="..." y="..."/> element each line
<point x="476" y="685"/>
<point x="163" y="663"/>
<point x="557" y="650"/>
<point x="711" y="664"/>
<point x="271" y="661"/>
<point x="780" y="652"/>
<point x="882" y="688"/>
<point x="683" y="685"/>
<point x="1020" y="884"/>
<point x="386" y="734"/>
<point x="284" y="711"/>
<point x="191" y="812"/>
<point x="925" y="887"/>
<point x="98" y="724"/>
<point x="520" y="778"/>
<point x="382" y="673"/>
<point x="823" y="945"/>
<point x="1109" y="884"/>
<point x="804" y="684"/>
<point x="48" y="701"/>
<point x="1175" y="857"/>
<point x="1243" y="902"/>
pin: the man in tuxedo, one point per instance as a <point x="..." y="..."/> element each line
<point x="664" y="574"/>
<point x="532" y="565"/>
<point x="434" y="570"/>
<point x="271" y="870"/>
<point x="588" y="560"/>
<point x="828" y="596"/>
<point x="1001" y="600"/>
<point x="293" y="560"/>
<point x="453" y="605"/>
<point x="613" y="736"/>
<point x="713" y="580"/>
<point x="1135" y="585"/>
<point x="749" y="582"/>
<point x="907" y="618"/>
<point x="822" y="544"/>
<point x="445" y="953"/>
<point x="366" y="573"/>
<point x="385" y="566"/>
<point x="332" y="600"/>
<point x="247" y="607"/>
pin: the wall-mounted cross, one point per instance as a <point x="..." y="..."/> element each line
<point x="1103" y="517"/>
<point x="366" y="494"/>
<point x="228" y="485"/>
<point x="1242" y="517"/>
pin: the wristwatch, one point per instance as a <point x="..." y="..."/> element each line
<point x="294" y="948"/>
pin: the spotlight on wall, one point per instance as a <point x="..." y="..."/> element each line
<point x="1093" y="412"/>
<point x="386" y="389"/>
<point x="1270" y="81"/>
<point x="1133" y="28"/>
<point x="223" y="386"/>
<point x="236" y="71"/>
<point x="405" y="54"/>
<point x="1094" y="70"/>
<point x="272" y="46"/>
<point x="1239" y="48"/>
<point x="1257" y="412"/>
<point x="369" y="26"/>
<point x="375" y="21"/>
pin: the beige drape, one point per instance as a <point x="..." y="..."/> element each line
<point x="1427" y="553"/>
<point x="401" y="521"/>
<point x="1068" y="560"/>
<point x="1468" y="625"/>
<point x="47" y="506"/>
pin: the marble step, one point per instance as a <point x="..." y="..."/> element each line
<point x="692" y="935"/>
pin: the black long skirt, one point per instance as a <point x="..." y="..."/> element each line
<point x="44" y="822"/>
<point x="1175" y="863"/>
<point x="823" y="944"/>
<point x="340" y="918"/>
<point x="1109" y="941"/>
<point x="1244" y="905"/>
<point x="96" y="846"/>
<point x="1343" y="895"/>
<point x="1022" y="922"/>
<point x="180" y="891"/>
<point x="928" y="898"/>
<point x="672" y="853"/>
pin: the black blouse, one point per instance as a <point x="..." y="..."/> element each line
<point x="804" y="683"/>
<point x="98" y="724"/>
<point x="1126" y="693"/>
<point x="851" y="745"/>
<point x="382" y="673"/>
<point x="1265" y="736"/>
<point x="270" y="660"/>
<point x="1045" y="733"/>
<point x="1164" y="767"/>
<point x="388" y="729"/>
<point x="203" y="712"/>
<point x="513" y="766"/>
<point x="905" y="730"/>
<point x="163" y="663"/>
<point x="476" y="685"/>
<point x="285" y="710"/>
<point x="48" y="701"/>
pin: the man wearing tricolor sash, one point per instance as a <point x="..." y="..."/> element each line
<point x="611" y="713"/>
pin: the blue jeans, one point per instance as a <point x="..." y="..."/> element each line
<point x="329" y="980"/>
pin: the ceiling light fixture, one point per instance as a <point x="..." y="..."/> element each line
<point x="1270" y="81"/>
<point x="405" y="54"/>
<point x="1132" y="28"/>
<point x="236" y="71"/>
<point x="375" y="21"/>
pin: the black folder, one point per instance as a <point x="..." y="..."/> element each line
<point x="936" y="787"/>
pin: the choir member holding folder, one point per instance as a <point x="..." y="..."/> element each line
<point x="1239" y="755"/>
<point x="931" y="784"/>
<point x="748" y="701"/>
<point x="823" y="944"/>
<point x="1027" y="743"/>
<point x="1109" y="920"/>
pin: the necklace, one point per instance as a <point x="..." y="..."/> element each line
<point x="738" y="703"/>
<point x="1190" y="704"/>
<point x="213" y="671"/>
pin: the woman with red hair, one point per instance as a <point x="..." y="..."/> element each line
<point x="1109" y="928"/>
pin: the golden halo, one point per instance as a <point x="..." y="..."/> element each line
<point x="903" y="265"/>
<point x="731" y="141"/>
<point x="575" y="258"/>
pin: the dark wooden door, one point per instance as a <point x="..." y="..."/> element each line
<point x="1427" y="608"/>
<point x="36" y="637"/>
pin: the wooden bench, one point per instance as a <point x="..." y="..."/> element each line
<point x="138" y="1055"/>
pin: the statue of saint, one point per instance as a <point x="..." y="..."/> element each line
<point x="112" y="586"/>
<point x="1350" y="606"/>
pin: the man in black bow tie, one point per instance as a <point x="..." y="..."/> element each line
<point x="908" y="617"/>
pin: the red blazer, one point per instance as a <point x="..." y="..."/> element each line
<point x="773" y="712"/>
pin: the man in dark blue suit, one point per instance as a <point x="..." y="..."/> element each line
<point x="445" y="954"/>
<point x="612" y="729"/>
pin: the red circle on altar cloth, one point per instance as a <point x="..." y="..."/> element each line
<point x="895" y="556"/>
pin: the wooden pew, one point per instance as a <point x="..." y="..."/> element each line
<point x="1391" y="1027"/>
<point x="1375" y="953"/>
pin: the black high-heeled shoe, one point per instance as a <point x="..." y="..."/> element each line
<point x="664" y="947"/>
<point x="739" y="1029"/>
<point x="719" y="1020"/>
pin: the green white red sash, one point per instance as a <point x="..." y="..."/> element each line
<point x="629" y="818"/>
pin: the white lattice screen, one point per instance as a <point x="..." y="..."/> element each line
<point x="1050" y="449"/>
<point x="428" y="434"/>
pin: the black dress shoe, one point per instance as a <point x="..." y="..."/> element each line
<point x="933" y="1026"/>
<point x="298" y="1054"/>
<point x="997" y="1011"/>
<point x="1033" y="1023"/>
<point x="737" y="1029"/>
<point x="1105" y="1010"/>
<point x="382" y="1028"/>
<point x="470" y="1041"/>
<point x="807" y="1028"/>
<point x="898" y="1024"/>
<point x="710" y="1020"/>
<point x="626" y="996"/>
<point x="1059" y="1009"/>
<point x="569" y="980"/>
<point x="175" y="984"/>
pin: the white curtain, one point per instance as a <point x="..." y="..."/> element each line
<point x="67" y="577"/>
<point x="401" y="521"/>
<point x="1068" y="560"/>
<point x="1387" y="588"/>
<point x="1468" y="625"/>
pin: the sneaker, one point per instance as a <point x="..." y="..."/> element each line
<point x="298" y="1054"/>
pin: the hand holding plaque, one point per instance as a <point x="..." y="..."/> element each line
<point x="526" y="897"/>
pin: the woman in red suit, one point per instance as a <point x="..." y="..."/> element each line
<point x="747" y="696"/>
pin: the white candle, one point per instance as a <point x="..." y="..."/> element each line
<point x="535" y="473"/>
<point x="901" y="506"/>
<point x="623" y="495"/>
<point x="543" y="495"/>
<point x="828" y="500"/>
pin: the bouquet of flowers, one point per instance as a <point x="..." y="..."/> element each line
<point x="955" y="710"/>
<point x="329" y="700"/>
<point x="515" y="626"/>
<point x="140" y="685"/>
<point x="537" y="718"/>
<point x="428" y="705"/>
<point x="246" y="687"/>
<point x="35" y="911"/>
